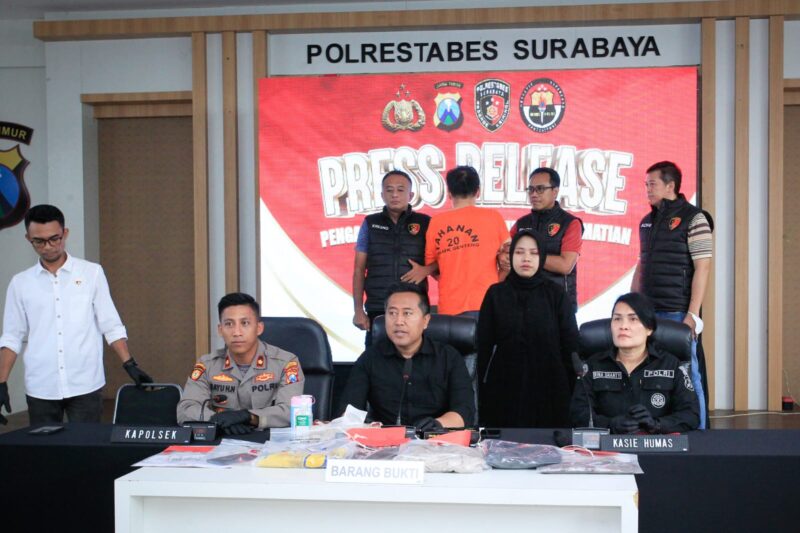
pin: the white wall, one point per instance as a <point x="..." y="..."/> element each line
<point x="22" y="86"/>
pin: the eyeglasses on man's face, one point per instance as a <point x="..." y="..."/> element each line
<point x="52" y="241"/>
<point x="539" y="189"/>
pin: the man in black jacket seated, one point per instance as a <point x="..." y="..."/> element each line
<point x="409" y="379"/>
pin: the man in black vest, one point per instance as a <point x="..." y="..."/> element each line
<point x="675" y="241"/>
<point x="390" y="245"/>
<point x="563" y="232"/>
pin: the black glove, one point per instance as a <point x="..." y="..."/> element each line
<point x="4" y="402"/>
<point x="428" y="423"/>
<point x="623" y="424"/>
<point x="238" y="429"/>
<point x="640" y="413"/>
<point x="233" y="422"/>
<point x="138" y="375"/>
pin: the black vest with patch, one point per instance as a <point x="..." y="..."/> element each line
<point x="666" y="267"/>
<point x="552" y="224"/>
<point x="390" y="247"/>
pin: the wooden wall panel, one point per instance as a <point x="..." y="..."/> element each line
<point x="775" y="283"/>
<point x="230" y="161"/>
<point x="63" y="30"/>
<point x="790" y="379"/>
<point x="145" y="199"/>
<point x="200" y="174"/>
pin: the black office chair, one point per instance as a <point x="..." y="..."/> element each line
<point x="460" y="332"/>
<point x="673" y="337"/>
<point x="308" y="341"/>
<point x="154" y="404"/>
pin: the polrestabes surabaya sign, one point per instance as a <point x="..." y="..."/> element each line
<point x="485" y="49"/>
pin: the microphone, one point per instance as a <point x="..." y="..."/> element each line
<point x="588" y="437"/>
<point x="581" y="369"/>
<point x="203" y="409"/>
<point x="406" y="377"/>
<point x="579" y="366"/>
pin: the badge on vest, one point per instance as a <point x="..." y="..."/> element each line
<point x="553" y="228"/>
<point x="414" y="228"/>
<point x="674" y="222"/>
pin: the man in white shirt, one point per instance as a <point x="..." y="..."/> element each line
<point x="63" y="306"/>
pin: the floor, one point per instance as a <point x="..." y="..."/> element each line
<point x="720" y="419"/>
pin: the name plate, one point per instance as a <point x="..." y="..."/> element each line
<point x="644" y="443"/>
<point x="151" y="434"/>
<point x="377" y="471"/>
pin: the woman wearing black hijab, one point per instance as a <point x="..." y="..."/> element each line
<point x="526" y="334"/>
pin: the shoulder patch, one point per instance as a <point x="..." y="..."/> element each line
<point x="291" y="372"/>
<point x="687" y="380"/>
<point x="197" y="372"/>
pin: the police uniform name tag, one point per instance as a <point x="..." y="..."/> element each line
<point x="151" y="434"/>
<point x="377" y="471"/>
<point x="644" y="443"/>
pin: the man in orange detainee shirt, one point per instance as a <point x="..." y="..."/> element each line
<point x="465" y="243"/>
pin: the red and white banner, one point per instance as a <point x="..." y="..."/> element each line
<point x="325" y="143"/>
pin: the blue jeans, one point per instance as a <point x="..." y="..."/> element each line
<point x="678" y="316"/>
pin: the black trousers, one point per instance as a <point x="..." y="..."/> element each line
<point x="84" y="408"/>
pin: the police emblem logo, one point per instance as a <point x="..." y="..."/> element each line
<point x="674" y="222"/>
<point x="658" y="400"/>
<point x="492" y="103"/>
<point x="542" y="105"/>
<point x="14" y="196"/>
<point x="552" y="229"/>
<point x="222" y="377"/>
<point x="260" y="361"/>
<point x="414" y="228"/>
<point x="291" y="372"/>
<point x="267" y="376"/>
<point x="198" y="371"/>
<point x="402" y="114"/>
<point x="448" y="115"/>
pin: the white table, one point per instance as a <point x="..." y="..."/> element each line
<point x="258" y="499"/>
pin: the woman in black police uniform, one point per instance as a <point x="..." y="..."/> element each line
<point x="636" y="387"/>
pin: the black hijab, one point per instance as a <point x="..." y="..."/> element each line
<point x="520" y="282"/>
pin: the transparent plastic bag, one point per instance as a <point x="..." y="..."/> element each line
<point x="443" y="457"/>
<point x="304" y="454"/>
<point x="505" y="454"/>
<point x="576" y="460"/>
